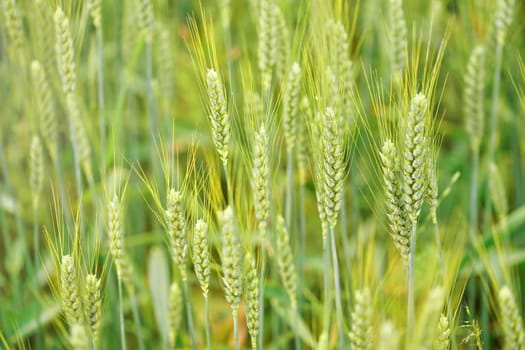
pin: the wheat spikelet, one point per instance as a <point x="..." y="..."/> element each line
<point x="71" y="302"/>
<point x="231" y="259"/>
<point x="512" y="323"/>
<point x="219" y="117"/>
<point x="415" y="153"/>
<point x="44" y="103"/>
<point x="267" y="33"/>
<point x="145" y="19"/>
<point x="281" y="50"/>
<point x="443" y="341"/>
<point x="65" y="53"/>
<point x="251" y="296"/>
<point x="116" y="244"/>
<point x="474" y="96"/>
<point x="201" y="255"/>
<point x="95" y="10"/>
<point x="497" y="192"/>
<point x="503" y="19"/>
<point x="332" y="165"/>
<point x="36" y="168"/>
<point x="291" y="106"/>
<point x="78" y="337"/>
<point x="45" y="34"/>
<point x="93" y="305"/>
<point x="398" y="29"/>
<point x="175" y="310"/>
<point x="286" y="262"/>
<point x="13" y="23"/>
<point x="399" y="230"/>
<point x="261" y="180"/>
<point x="361" y="333"/>
<point x="176" y="225"/>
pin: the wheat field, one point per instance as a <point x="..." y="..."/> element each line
<point x="262" y="174"/>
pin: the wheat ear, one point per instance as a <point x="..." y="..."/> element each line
<point x="362" y="331"/>
<point x="261" y="180"/>
<point x="398" y="39"/>
<point x="13" y="23"/>
<point x="146" y="21"/>
<point x="512" y="323"/>
<point x="116" y="244"/>
<point x="473" y="99"/>
<point x="267" y="30"/>
<point x="201" y="262"/>
<point x="175" y="312"/>
<point x="78" y="337"/>
<point x="286" y="262"/>
<point x="281" y="50"/>
<point x="251" y="296"/>
<point x="176" y="225"/>
<point x="93" y="306"/>
<point x="443" y="340"/>
<point x="497" y="193"/>
<point x="71" y="302"/>
<point x="291" y="106"/>
<point x="219" y="116"/>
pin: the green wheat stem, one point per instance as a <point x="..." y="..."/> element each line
<point x="102" y="117"/>
<point x="337" y="286"/>
<point x="261" y="296"/>
<point x="473" y="215"/>
<point x="189" y="312"/>
<point x="289" y="189"/>
<point x="136" y="318"/>
<point x="207" y="321"/>
<point x="121" y="315"/>
<point x="493" y="125"/>
<point x="326" y="284"/>
<point x="236" y="329"/>
<point x="411" y="306"/>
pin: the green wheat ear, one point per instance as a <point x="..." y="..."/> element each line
<point x="219" y="117"/>
<point x="71" y="302"/>
<point x="251" y="292"/>
<point x="176" y="225"/>
<point x="443" y="341"/>
<point x="286" y="262"/>
<point x="201" y="255"/>
<point x="474" y="96"/>
<point x="512" y="323"/>
<point x="93" y="305"/>
<point x="362" y="331"/>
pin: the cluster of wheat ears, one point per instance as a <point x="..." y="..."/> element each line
<point x="270" y="148"/>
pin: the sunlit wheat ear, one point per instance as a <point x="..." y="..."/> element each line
<point x="261" y="179"/>
<point x="176" y="226"/>
<point x="78" y="337"/>
<point x="341" y="66"/>
<point x="474" y="96"/>
<point x="512" y="323"/>
<point x="65" y="53"/>
<point x="267" y="35"/>
<point x="503" y="19"/>
<point x="497" y="192"/>
<point x="291" y="105"/>
<point x="146" y="21"/>
<point x="93" y="305"/>
<point x="232" y="261"/>
<point x="399" y="228"/>
<point x="332" y="165"/>
<point x="251" y="296"/>
<point x="71" y="302"/>
<point x="286" y="262"/>
<point x="361" y="335"/>
<point x="398" y="30"/>
<point x="415" y="153"/>
<point x="281" y="50"/>
<point x="44" y="103"/>
<point x="13" y="23"/>
<point x="95" y="10"/>
<point x="36" y="168"/>
<point x="443" y="340"/>
<point x="116" y="242"/>
<point x="219" y="117"/>
<point x="175" y="310"/>
<point x="389" y="336"/>
<point x="201" y="255"/>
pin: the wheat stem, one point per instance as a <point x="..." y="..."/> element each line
<point x="411" y="306"/>
<point x="337" y="286"/>
<point x="207" y="321"/>
<point x="189" y="312"/>
<point x="121" y="315"/>
<point x="100" y="94"/>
